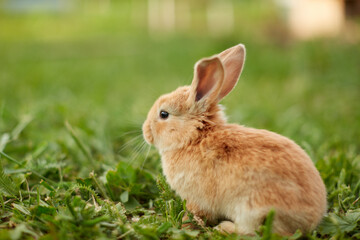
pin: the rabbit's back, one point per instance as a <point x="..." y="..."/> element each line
<point x="265" y="170"/>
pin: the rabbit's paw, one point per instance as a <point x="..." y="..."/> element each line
<point x="226" y="227"/>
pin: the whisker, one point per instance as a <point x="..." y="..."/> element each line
<point x="146" y="156"/>
<point x="130" y="132"/>
<point x="143" y="147"/>
<point x="129" y="143"/>
<point x="138" y="148"/>
<point x="133" y="123"/>
<point x="136" y="153"/>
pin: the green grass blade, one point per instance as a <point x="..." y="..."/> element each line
<point x="20" y="127"/>
<point x="79" y="142"/>
<point x="30" y="170"/>
<point x="3" y="141"/>
<point x="7" y="186"/>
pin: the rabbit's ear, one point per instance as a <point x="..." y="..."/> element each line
<point x="207" y="82"/>
<point x="233" y="61"/>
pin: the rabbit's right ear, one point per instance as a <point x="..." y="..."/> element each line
<point x="233" y="61"/>
<point x="207" y="82"/>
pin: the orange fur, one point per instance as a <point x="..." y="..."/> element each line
<point x="228" y="171"/>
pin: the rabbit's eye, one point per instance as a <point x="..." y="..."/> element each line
<point x="164" y="114"/>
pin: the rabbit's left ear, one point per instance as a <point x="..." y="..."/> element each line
<point x="233" y="61"/>
<point x="207" y="82"/>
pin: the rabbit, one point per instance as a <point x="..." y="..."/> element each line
<point x="227" y="171"/>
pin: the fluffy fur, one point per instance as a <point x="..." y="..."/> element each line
<point x="227" y="171"/>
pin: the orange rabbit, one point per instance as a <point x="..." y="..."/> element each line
<point x="227" y="171"/>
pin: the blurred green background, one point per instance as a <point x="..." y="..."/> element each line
<point x="99" y="62"/>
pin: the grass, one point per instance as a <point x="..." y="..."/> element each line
<point x="75" y="88"/>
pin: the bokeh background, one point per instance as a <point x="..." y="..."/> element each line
<point x="103" y="63"/>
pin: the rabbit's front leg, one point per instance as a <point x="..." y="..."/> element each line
<point x="199" y="216"/>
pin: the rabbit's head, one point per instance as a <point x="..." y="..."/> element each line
<point x="182" y="116"/>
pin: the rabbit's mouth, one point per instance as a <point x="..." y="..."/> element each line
<point x="147" y="134"/>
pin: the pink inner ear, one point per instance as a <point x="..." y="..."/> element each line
<point x="209" y="76"/>
<point x="233" y="62"/>
<point x="206" y="76"/>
